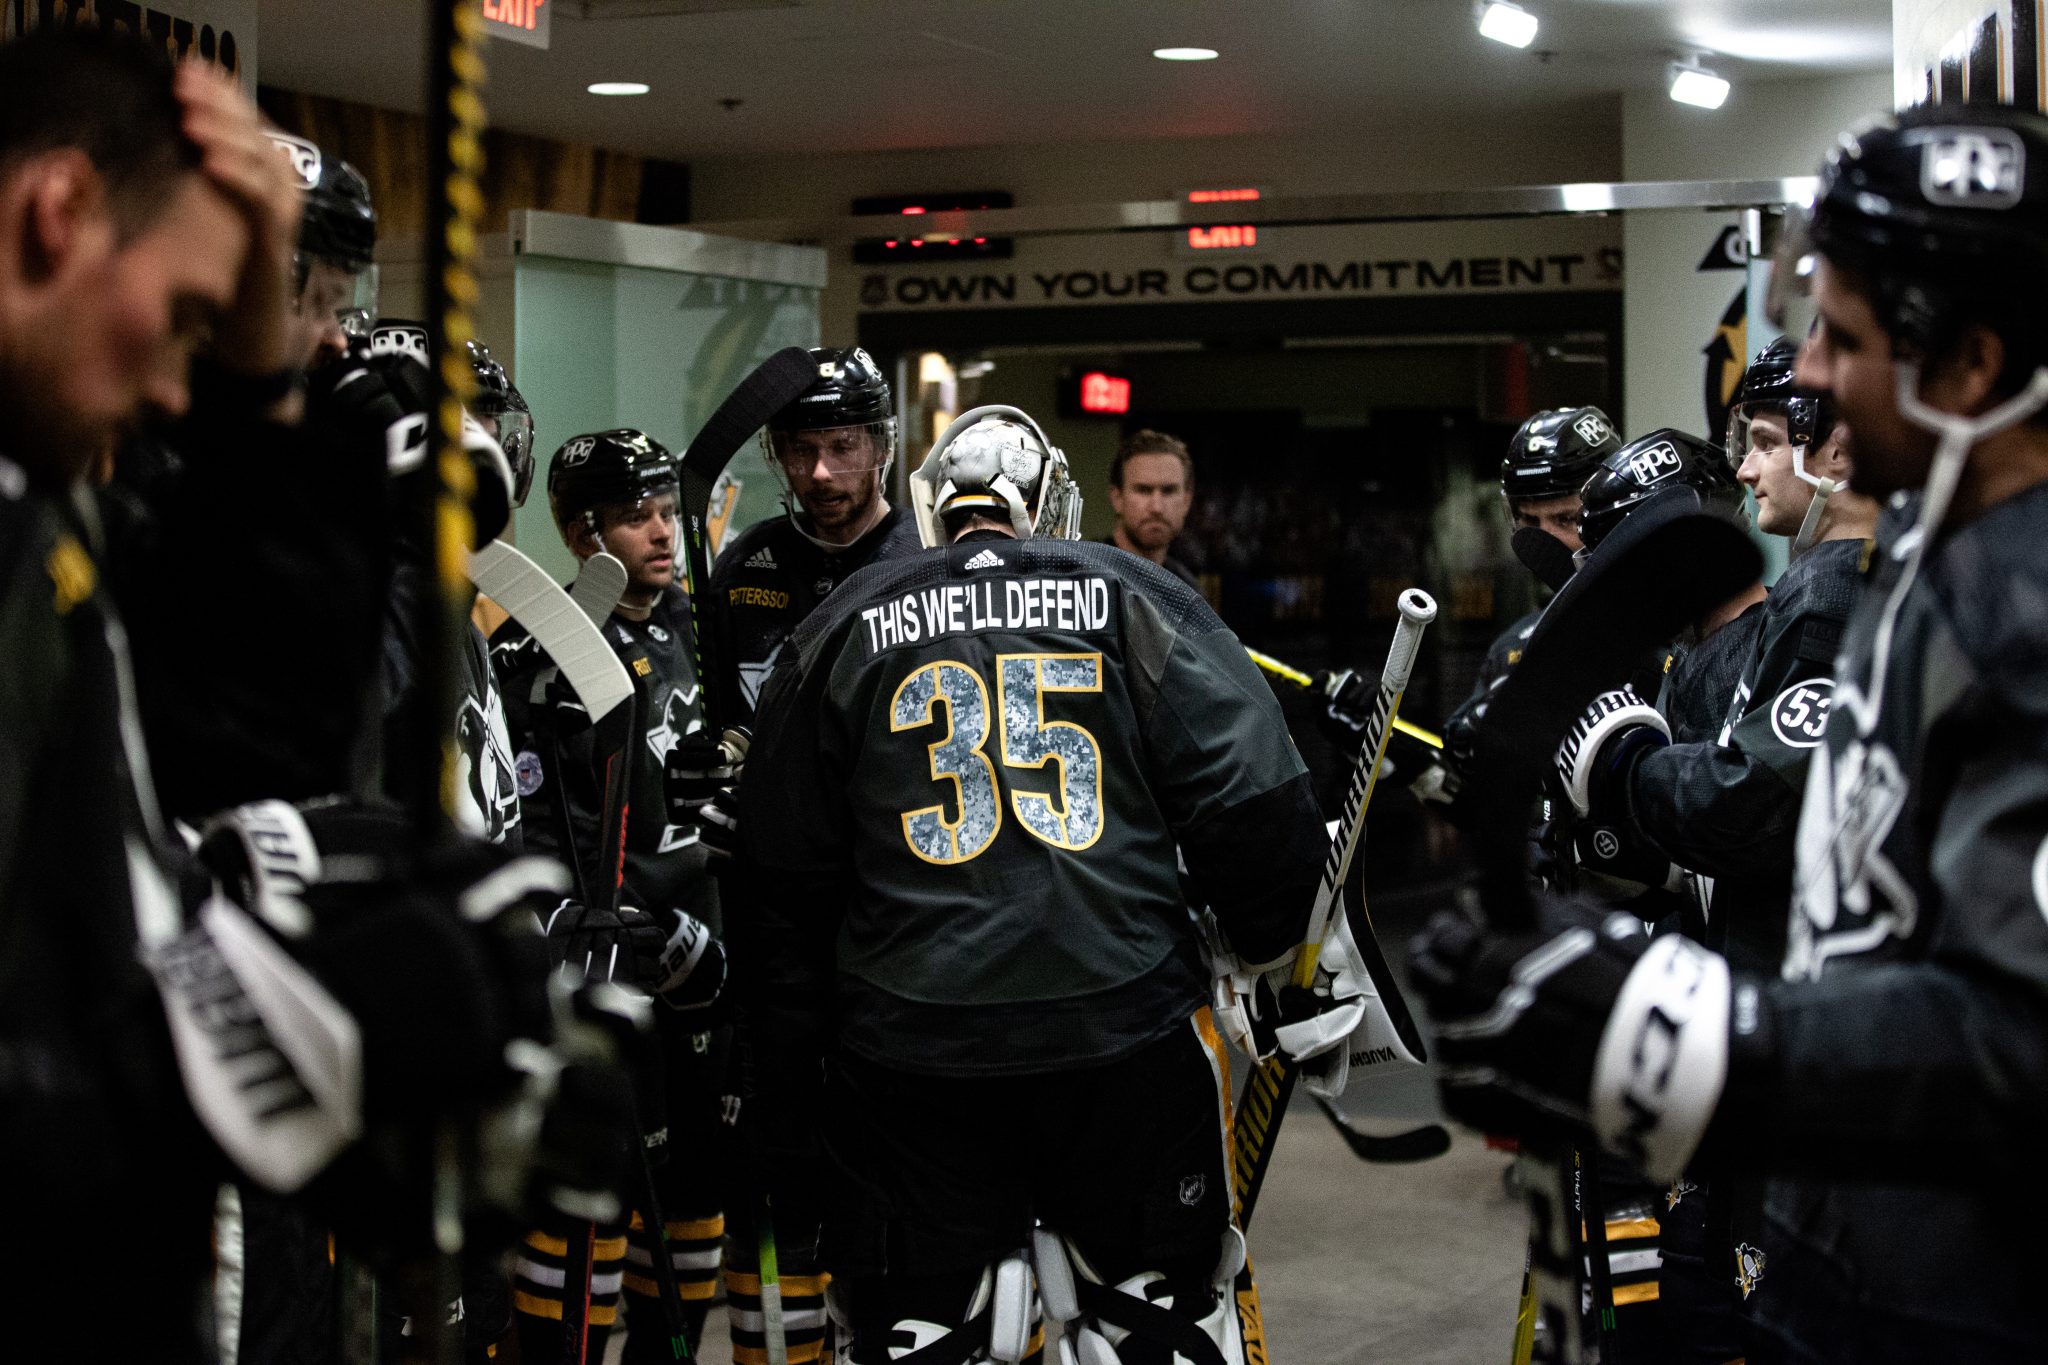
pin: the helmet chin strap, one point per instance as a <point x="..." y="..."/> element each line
<point x="1956" y="436"/>
<point x="1816" y="506"/>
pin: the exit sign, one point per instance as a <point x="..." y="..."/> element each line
<point x="519" y="21"/>
<point x="1208" y="239"/>
<point x="1094" y="393"/>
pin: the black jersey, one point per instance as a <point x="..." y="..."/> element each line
<point x="1503" y="654"/>
<point x="97" y="1127"/>
<point x="1908" y="1074"/>
<point x="554" y="768"/>
<point x="1726" y="806"/>
<point x="1702" y="678"/>
<point x="766" y="582"/>
<point x="964" y="802"/>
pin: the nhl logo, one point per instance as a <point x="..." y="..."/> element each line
<point x="302" y="156"/>
<point x="1192" y="1188"/>
<point x="1652" y="463"/>
<point x="578" y="450"/>
<point x="1973" y="168"/>
<point x="1593" y="429"/>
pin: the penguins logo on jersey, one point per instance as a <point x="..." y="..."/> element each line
<point x="675" y="722"/>
<point x="489" y="798"/>
<point x="1749" y="1268"/>
<point x="1680" y="1188"/>
<point x="752" y="676"/>
<point x="1848" y="897"/>
<point x="1799" y="717"/>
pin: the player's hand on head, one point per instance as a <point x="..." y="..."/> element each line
<point x="239" y="159"/>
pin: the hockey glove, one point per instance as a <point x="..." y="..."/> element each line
<point x="719" y="821"/>
<point x="690" y="973"/>
<point x="1582" y="1023"/>
<point x="1347" y="706"/>
<point x="697" y="767"/>
<point x="1594" y="763"/>
<point x="385" y="1000"/>
<point x="384" y="403"/>
<point x="591" y="943"/>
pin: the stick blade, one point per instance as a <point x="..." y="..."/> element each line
<point x="1544" y="555"/>
<point x="1667" y="565"/>
<point x="772" y="386"/>
<point x="1417" y="1144"/>
<point x="600" y="583"/>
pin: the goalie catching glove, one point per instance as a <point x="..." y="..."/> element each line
<point x="678" y="961"/>
<point x="331" y="1007"/>
<point x="1264" y="1013"/>
<point x="1582" y="1023"/>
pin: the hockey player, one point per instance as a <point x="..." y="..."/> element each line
<point x="831" y="451"/>
<point x="334" y="282"/>
<point x="1151" y="487"/>
<point x="1889" y="1081"/>
<point x="967" y="960"/>
<point x="157" y="1019"/>
<point x="615" y="492"/>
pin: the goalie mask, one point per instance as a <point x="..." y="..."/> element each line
<point x="995" y="461"/>
<point x="1645" y="467"/>
<point x="1768" y="389"/>
<point x="337" y="235"/>
<point x="1555" y="452"/>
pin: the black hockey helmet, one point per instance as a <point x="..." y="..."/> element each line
<point x="402" y="336"/>
<point x="339" y="224"/>
<point x="1943" y="211"/>
<point x="1647" y="466"/>
<point x="499" y="403"/>
<point x="1767" y="387"/>
<point x="607" y="469"/>
<point x="850" y="391"/>
<point x="1554" y="452"/>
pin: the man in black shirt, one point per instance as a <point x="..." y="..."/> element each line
<point x="1151" y="487"/>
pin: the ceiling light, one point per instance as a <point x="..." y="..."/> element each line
<point x="618" y="88"/>
<point x="1185" y="54"/>
<point x="1506" y="23"/>
<point x="1697" y="86"/>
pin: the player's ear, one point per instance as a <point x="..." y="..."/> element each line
<point x="1964" y="378"/>
<point x="1831" y="461"/>
<point x="581" y="538"/>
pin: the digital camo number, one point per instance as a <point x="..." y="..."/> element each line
<point x="1072" y="820"/>
<point x="956" y="756"/>
<point x="1031" y="741"/>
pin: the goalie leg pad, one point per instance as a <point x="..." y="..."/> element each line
<point x="918" y="1320"/>
<point x="1181" y="1314"/>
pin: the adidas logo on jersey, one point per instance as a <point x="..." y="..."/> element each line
<point x="763" y="558"/>
<point x="987" y="559"/>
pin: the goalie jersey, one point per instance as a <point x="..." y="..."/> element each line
<point x="961" y="814"/>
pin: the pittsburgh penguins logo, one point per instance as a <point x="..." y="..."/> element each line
<point x="1799" y="717"/>
<point x="302" y="156"/>
<point x="675" y="722"/>
<point x="489" y="804"/>
<point x="1848" y="896"/>
<point x="1680" y="1188"/>
<point x="1749" y="1268"/>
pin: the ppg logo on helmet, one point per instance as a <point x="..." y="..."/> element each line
<point x="1592" y="429"/>
<point x="302" y="156"/>
<point x="1652" y="463"/>
<point x="410" y="341"/>
<point x="578" y="450"/>
<point x="1973" y="168"/>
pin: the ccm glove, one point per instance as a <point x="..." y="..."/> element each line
<point x="1580" y="1024"/>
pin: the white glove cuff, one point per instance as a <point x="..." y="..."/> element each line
<point x="1610" y="714"/>
<point x="1663" y="1057"/>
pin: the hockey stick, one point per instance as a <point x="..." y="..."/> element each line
<point x="1417" y="1144"/>
<point x="1665" y="565"/>
<point x="1267" y="1090"/>
<point x="1287" y="672"/>
<point x="773" y="385"/>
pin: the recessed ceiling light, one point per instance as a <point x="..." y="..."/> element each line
<point x="1185" y="54"/>
<point x="1506" y="23"/>
<point x="1695" y="85"/>
<point x="618" y="88"/>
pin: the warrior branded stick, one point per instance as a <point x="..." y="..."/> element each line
<point x="1267" y="1090"/>
<point x="774" y="384"/>
<point x="1289" y="673"/>
<point x="1666" y="565"/>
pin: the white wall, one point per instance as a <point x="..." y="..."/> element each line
<point x="1672" y="309"/>
<point x="1586" y="146"/>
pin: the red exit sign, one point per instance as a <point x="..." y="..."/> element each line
<point x="520" y="21"/>
<point x="1202" y="238"/>
<point x="1231" y="238"/>
<point x="1105" y="393"/>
